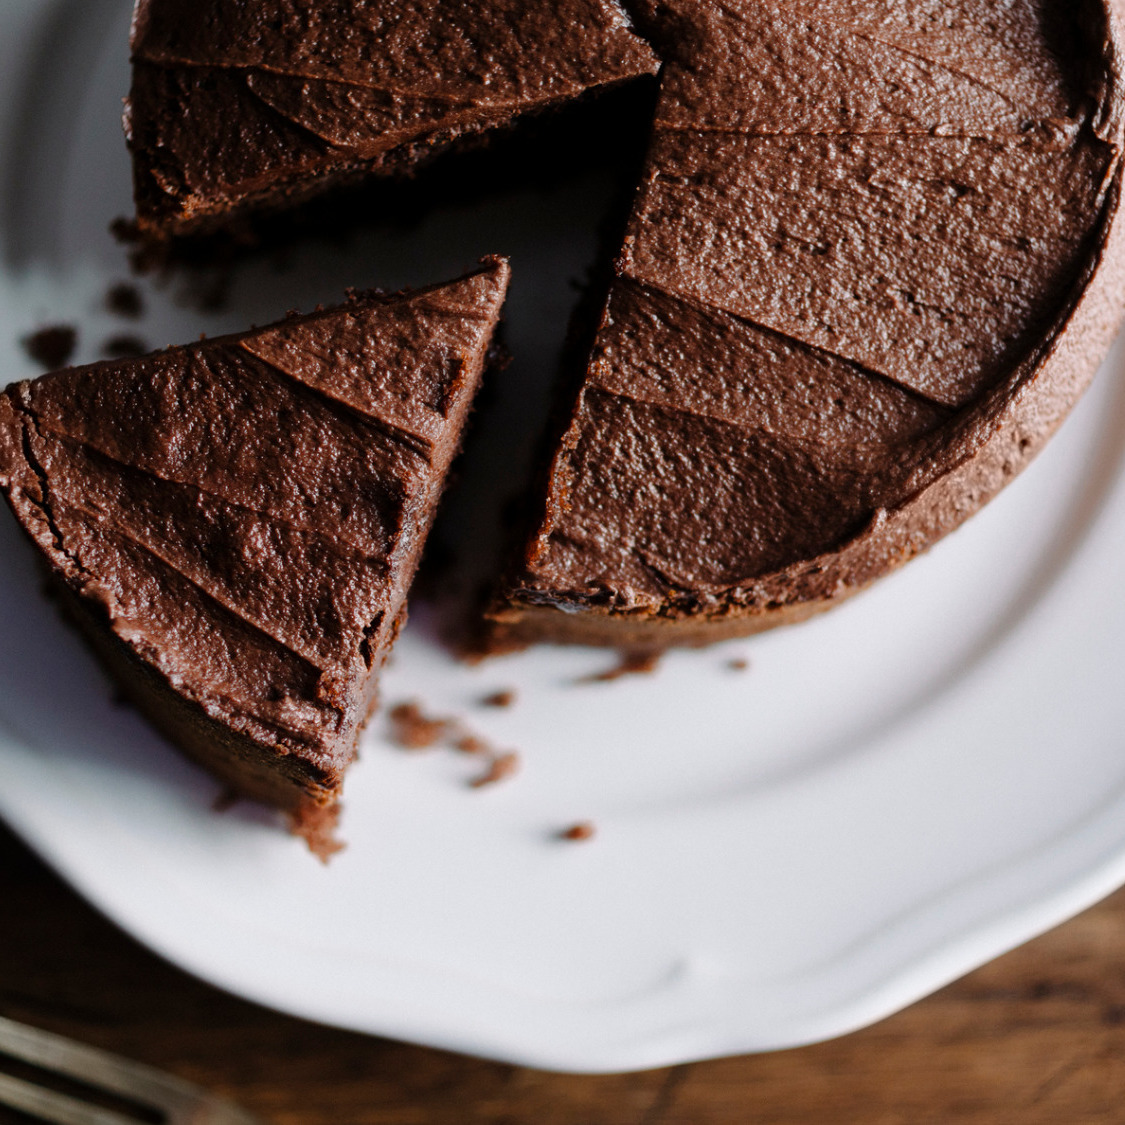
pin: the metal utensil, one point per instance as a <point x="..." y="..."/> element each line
<point x="157" y="1096"/>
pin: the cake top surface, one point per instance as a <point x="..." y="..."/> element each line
<point x="500" y="52"/>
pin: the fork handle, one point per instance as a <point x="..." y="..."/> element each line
<point x="53" y="1107"/>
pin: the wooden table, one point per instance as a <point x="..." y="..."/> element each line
<point x="1038" y="1036"/>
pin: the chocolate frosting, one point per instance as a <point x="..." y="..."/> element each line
<point x="245" y="514"/>
<point x="235" y="102"/>
<point x="861" y="230"/>
<point x="864" y="276"/>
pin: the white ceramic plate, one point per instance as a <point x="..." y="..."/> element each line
<point x="892" y="795"/>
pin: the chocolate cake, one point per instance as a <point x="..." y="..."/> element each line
<point x="234" y="525"/>
<point x="875" y="256"/>
<point x="239" y="105"/>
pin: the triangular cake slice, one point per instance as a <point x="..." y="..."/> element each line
<point x="239" y="105"/>
<point x="235" y="524"/>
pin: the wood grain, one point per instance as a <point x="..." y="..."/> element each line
<point x="1036" y="1037"/>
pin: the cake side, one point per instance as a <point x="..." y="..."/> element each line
<point x="843" y="316"/>
<point x="235" y="524"/>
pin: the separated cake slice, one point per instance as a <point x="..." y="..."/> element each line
<point x="240" y="105"/>
<point x="235" y="524"/>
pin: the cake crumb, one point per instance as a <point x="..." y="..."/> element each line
<point x="738" y="664"/>
<point x="500" y="768"/>
<point x="124" y="299"/>
<point x="226" y="799"/>
<point x="582" y="830"/>
<point x="472" y="744"/>
<point x="631" y="662"/>
<point x="503" y="698"/>
<point x="118" y="696"/>
<point x="316" y="825"/>
<point x="412" y="729"/>
<point x="124" y="346"/>
<point x="52" y="346"/>
<point x="124" y="230"/>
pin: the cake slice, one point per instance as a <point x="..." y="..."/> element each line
<point x="240" y="105"/>
<point x="235" y="524"/>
